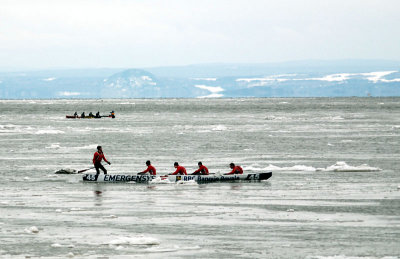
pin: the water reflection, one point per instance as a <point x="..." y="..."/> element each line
<point x="98" y="194"/>
<point x="236" y="187"/>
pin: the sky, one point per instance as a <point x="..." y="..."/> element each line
<point x="40" y="34"/>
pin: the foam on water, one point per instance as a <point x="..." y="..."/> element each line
<point x="337" y="167"/>
<point x="343" y="167"/>
<point x="161" y="180"/>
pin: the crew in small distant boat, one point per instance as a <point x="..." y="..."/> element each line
<point x="150" y="169"/>
<point x="98" y="114"/>
<point x="202" y="169"/>
<point x="91" y="114"/>
<point x="235" y="169"/>
<point x="83" y="115"/>
<point x="97" y="157"/>
<point x="179" y="169"/>
<point x="112" y="114"/>
<point x="75" y="114"/>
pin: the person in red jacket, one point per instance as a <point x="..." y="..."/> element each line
<point x="235" y="169"/>
<point x="179" y="169"/>
<point x="151" y="169"/>
<point x="97" y="157"/>
<point x="202" y="169"/>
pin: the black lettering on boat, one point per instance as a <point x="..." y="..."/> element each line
<point x="111" y="177"/>
<point x="122" y="177"/>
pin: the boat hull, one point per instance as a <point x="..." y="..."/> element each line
<point x="116" y="178"/>
<point x="88" y="117"/>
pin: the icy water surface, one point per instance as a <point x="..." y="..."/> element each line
<point x="334" y="193"/>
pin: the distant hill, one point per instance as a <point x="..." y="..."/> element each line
<point x="287" y="79"/>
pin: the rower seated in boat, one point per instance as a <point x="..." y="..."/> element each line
<point x="235" y="169"/>
<point x="179" y="169"/>
<point x="202" y="169"/>
<point x="83" y="115"/>
<point x="150" y="169"/>
<point x="98" y="114"/>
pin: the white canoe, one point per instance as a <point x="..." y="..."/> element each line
<point x="116" y="178"/>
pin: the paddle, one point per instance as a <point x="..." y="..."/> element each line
<point x="84" y="170"/>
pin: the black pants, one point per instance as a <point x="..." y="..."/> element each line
<point x="99" y="166"/>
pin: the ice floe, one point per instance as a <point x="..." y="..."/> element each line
<point x="32" y="229"/>
<point x="136" y="240"/>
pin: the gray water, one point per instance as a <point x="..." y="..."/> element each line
<point x="334" y="193"/>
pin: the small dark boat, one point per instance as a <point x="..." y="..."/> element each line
<point x="97" y="116"/>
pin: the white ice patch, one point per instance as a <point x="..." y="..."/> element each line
<point x="49" y="79"/>
<point x="138" y="240"/>
<point x="260" y="81"/>
<point x="146" y="78"/>
<point x="211" y="96"/>
<point x="54" y="146"/>
<point x="377" y="76"/>
<point x="332" y="78"/>
<point x="213" y="89"/>
<point x="219" y="128"/>
<point x="32" y="229"/>
<point x="49" y="131"/>
<point x="66" y="93"/>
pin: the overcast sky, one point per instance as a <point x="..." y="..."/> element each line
<point x="40" y="34"/>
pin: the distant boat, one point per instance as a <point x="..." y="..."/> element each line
<point x="111" y="115"/>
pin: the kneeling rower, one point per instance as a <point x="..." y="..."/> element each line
<point x="235" y="169"/>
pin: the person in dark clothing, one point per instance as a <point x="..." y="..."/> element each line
<point x="97" y="157"/>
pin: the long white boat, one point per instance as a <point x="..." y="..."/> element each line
<point x="146" y="178"/>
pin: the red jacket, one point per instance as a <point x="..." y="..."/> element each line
<point x="236" y="170"/>
<point x="202" y="169"/>
<point x="180" y="170"/>
<point x="97" y="157"/>
<point x="151" y="169"/>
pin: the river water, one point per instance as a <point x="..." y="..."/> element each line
<point x="334" y="192"/>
